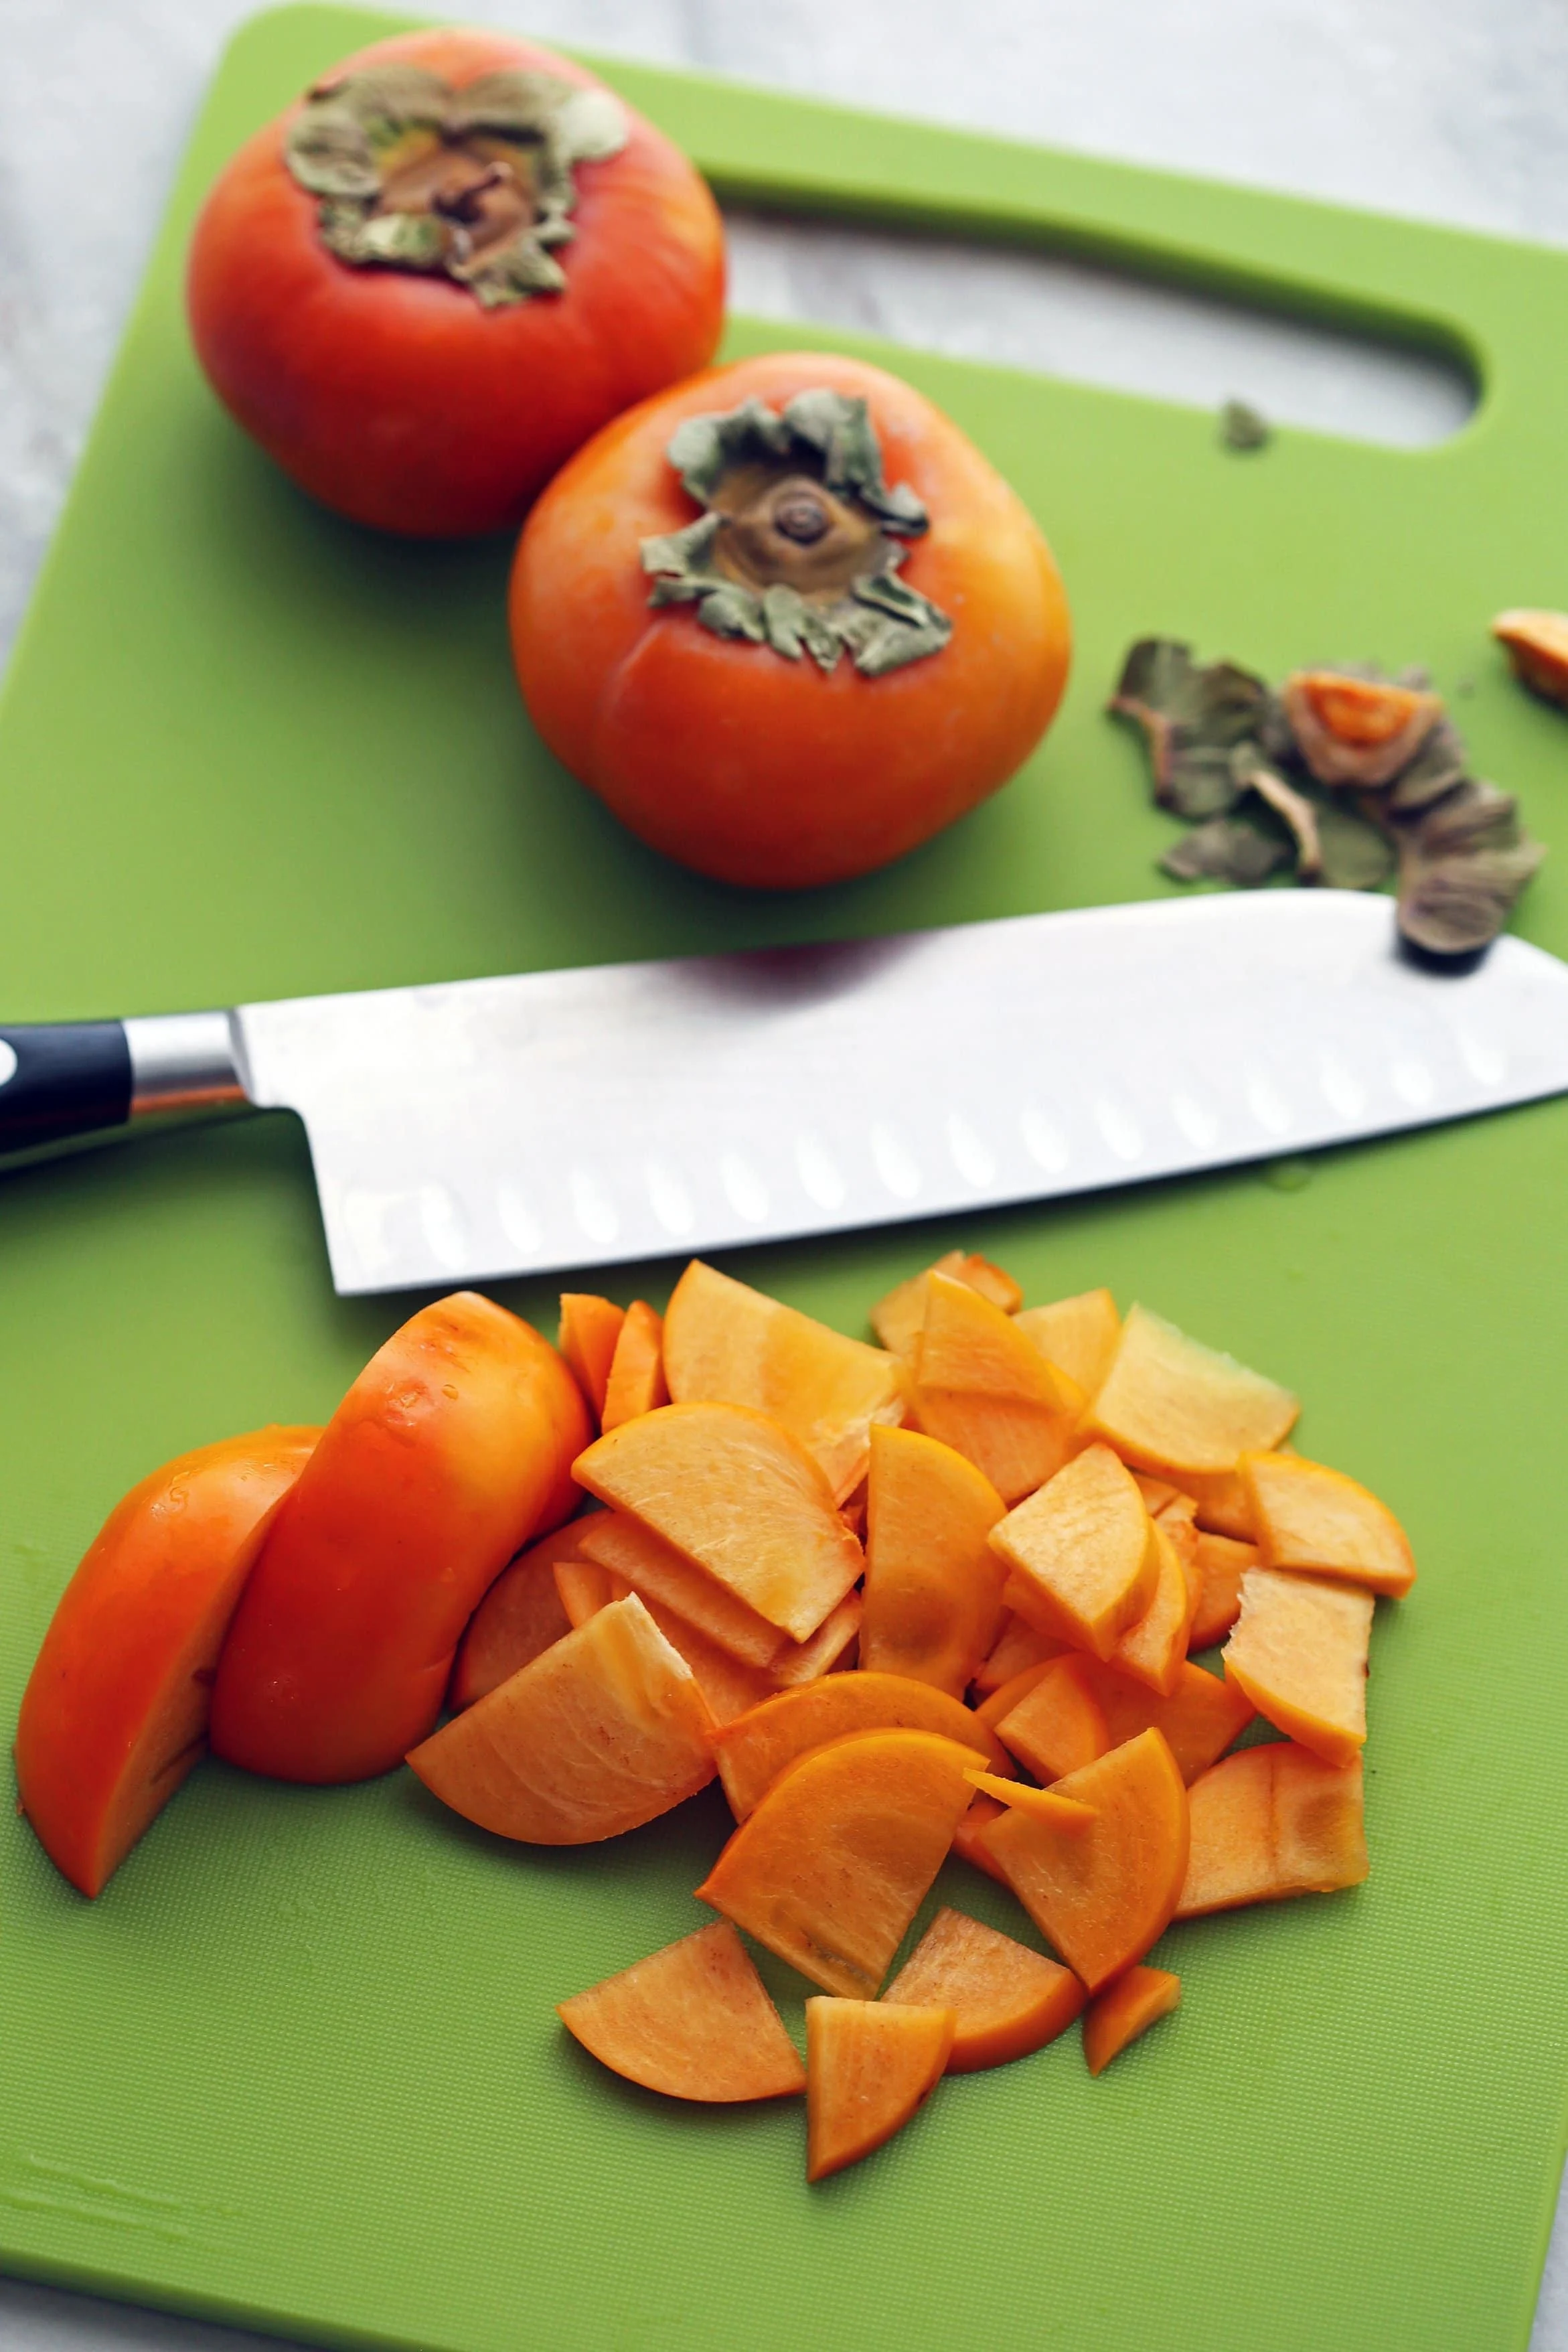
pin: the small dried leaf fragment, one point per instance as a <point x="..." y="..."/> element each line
<point x="1226" y="849"/>
<point x="1462" y="869"/>
<point x="1537" y="645"/>
<point x="1244" y="428"/>
<point x="1192" y="720"/>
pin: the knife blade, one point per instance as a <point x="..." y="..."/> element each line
<point x="553" y="1121"/>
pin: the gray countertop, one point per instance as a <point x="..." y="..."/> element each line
<point x="1446" y="110"/>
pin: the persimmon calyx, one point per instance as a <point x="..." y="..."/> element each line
<point x="797" y="546"/>
<point x="473" y="183"/>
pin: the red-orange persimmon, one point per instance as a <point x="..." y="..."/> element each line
<point x="427" y="283"/>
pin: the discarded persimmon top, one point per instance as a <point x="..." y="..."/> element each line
<point x="799" y="539"/>
<point x="474" y="183"/>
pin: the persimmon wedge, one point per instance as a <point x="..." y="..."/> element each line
<point x="741" y="1497"/>
<point x="637" y="1381"/>
<point x="665" y="1576"/>
<point x="727" y="1343"/>
<point x="115" y="1712"/>
<point x="834" y="1861"/>
<point x="982" y="1389"/>
<point x="1310" y="1517"/>
<point x="1085" y="1559"/>
<point x="1298" y="1649"/>
<point x="1172" y="1405"/>
<point x="969" y="1844"/>
<point x="753" y="1749"/>
<point x="520" y="1615"/>
<point x="1124" y="2010"/>
<point x="869" y="2065"/>
<point x="933" y="1584"/>
<point x="1219" y="1566"/>
<point x="1077" y="1335"/>
<point x="731" y="1689"/>
<point x="1197" y="1721"/>
<point x="1058" y="1725"/>
<point x="1272" y="1822"/>
<point x="604" y="1731"/>
<point x="899" y="1319"/>
<point x="590" y="1332"/>
<point x="1006" y="2001"/>
<point x="1041" y="1804"/>
<point x="693" y="2020"/>
<point x="1103" y="1895"/>
<point x="1152" y="1650"/>
<point x="1018" y="1646"/>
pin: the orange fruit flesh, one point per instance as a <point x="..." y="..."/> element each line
<point x="693" y="2020"/>
<point x="1006" y="2001"/>
<point x="868" y="2066"/>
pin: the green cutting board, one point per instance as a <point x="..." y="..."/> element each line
<point x="299" y="2066"/>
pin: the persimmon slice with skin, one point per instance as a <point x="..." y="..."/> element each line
<point x="1078" y="1335"/>
<point x="1154" y="1650"/>
<point x="519" y="1617"/>
<point x="752" y="1751"/>
<point x="589" y="1331"/>
<point x="1298" y="1651"/>
<point x="693" y="2020"/>
<point x="900" y="1317"/>
<point x="982" y="1389"/>
<point x="1058" y="1725"/>
<point x="115" y="1712"/>
<point x="636" y="1382"/>
<point x="807" y="1662"/>
<point x="1198" y="1721"/>
<point x="1006" y="2001"/>
<point x="728" y="1344"/>
<point x="584" y="1588"/>
<point x="1041" y="1804"/>
<point x="1018" y="1646"/>
<point x="604" y="1731"/>
<point x="1104" y="1894"/>
<point x="1124" y="2010"/>
<point x="933" y="1584"/>
<point x="741" y="1497"/>
<point x="1083" y="1553"/>
<point x="869" y="2065"/>
<point x="663" y="1575"/>
<point x="1272" y="1822"/>
<point x="1171" y="1405"/>
<point x="1221" y="1505"/>
<point x="1311" y="1517"/>
<point x="834" y="1861"/>
<point x="1218" y="1566"/>
<point x="1005" y="1696"/>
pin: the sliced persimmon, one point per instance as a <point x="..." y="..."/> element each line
<point x="1058" y="1725"/>
<point x="519" y="1616"/>
<point x="982" y="1389"/>
<point x="1018" y="1646"/>
<point x="666" y="1577"/>
<point x="900" y="1317"/>
<point x="806" y="1662"/>
<point x="589" y="1327"/>
<point x="1298" y="1651"/>
<point x="1078" y="1335"/>
<point x="1272" y="1822"/>
<point x="1083" y="1552"/>
<point x="727" y="1344"/>
<point x="833" y="1861"/>
<point x="583" y="1587"/>
<point x="1219" y="1566"/>
<point x="1310" y="1517"/>
<point x="730" y="1687"/>
<point x="1171" y="1405"/>
<point x="868" y="2066"/>
<point x="753" y="1751"/>
<point x="637" y="1381"/>
<point x="1153" y="1649"/>
<point x="968" y="1843"/>
<point x="1005" y="1696"/>
<point x="1198" y="1721"/>
<point x="1041" y="1804"/>
<point x="1124" y="2010"/>
<point x="741" y="1497"/>
<point x="1006" y="2001"/>
<point x="1104" y="1894"/>
<point x="1221" y="1505"/>
<point x="1156" y="1492"/>
<point x="602" y="1732"/>
<point x="693" y="2020"/>
<point x="933" y="1584"/>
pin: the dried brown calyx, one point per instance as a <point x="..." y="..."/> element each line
<point x="1340" y="776"/>
<point x="800" y="537"/>
<point x="475" y="184"/>
<point x="1537" y="646"/>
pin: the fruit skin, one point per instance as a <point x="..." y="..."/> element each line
<point x="115" y="1711"/>
<point x="450" y="1451"/>
<point x="393" y="397"/>
<point x="725" y="756"/>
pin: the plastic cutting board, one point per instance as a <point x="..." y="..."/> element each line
<point x="299" y="2067"/>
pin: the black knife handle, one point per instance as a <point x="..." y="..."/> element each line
<point x="62" y="1079"/>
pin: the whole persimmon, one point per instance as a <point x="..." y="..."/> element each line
<point x="429" y="281"/>
<point x="787" y="621"/>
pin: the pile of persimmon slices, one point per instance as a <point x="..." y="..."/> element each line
<point x="936" y="1596"/>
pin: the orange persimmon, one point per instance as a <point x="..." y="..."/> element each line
<point x="660" y="711"/>
<point x="1220" y="1504"/>
<point x="450" y="263"/>
<point x="601" y="1732"/>
<point x="1173" y="1406"/>
<point x="1198" y="1721"/>
<point x="899" y="1319"/>
<point x="984" y="1391"/>
<point x="823" y="1651"/>
<point x="1310" y="1517"/>
<point x="741" y="1497"/>
<point x="1057" y="1726"/>
<point x="1298" y="1651"/>
<point x="588" y="1335"/>
<point x="519" y="1616"/>
<point x="868" y="2066"/>
<point x="832" y="1864"/>
<point x="1152" y="1650"/>
<point x="666" y="1578"/>
<point x="693" y="2020"/>
<point x="1018" y="1646"/>
<point x="1077" y="1335"/>
<point x="933" y="1584"/>
<point x="727" y="1344"/>
<point x="1006" y="2001"/>
<point x="636" y="1382"/>
<point x="1103" y="1895"/>
<point x="452" y="1447"/>
<point x="1005" y="1696"/>
<point x="755" y="1749"/>
<point x="1124" y="2010"/>
<point x="1272" y="1822"/>
<point x="115" y="1712"/>
<point x="1083" y="1554"/>
<point x="1219" y="1566"/>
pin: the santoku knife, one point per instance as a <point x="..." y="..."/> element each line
<point x="558" y="1119"/>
